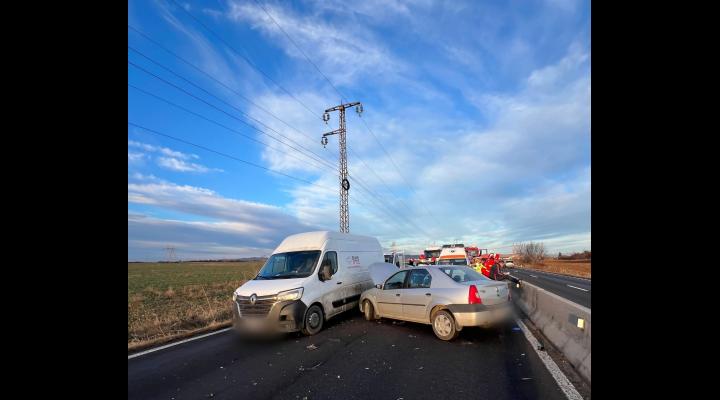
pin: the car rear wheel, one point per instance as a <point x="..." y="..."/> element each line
<point x="369" y="311"/>
<point x="313" y="320"/>
<point x="444" y="325"/>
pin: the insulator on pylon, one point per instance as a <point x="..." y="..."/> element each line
<point x="324" y="141"/>
<point x="359" y="109"/>
<point x="326" y="117"/>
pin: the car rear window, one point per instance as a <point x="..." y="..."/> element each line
<point x="462" y="274"/>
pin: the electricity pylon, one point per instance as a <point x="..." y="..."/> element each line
<point x="344" y="182"/>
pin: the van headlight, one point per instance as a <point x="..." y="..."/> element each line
<point x="293" y="294"/>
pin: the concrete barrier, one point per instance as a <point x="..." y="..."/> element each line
<point x="564" y="323"/>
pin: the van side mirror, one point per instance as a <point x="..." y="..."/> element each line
<point x="379" y="286"/>
<point x="325" y="272"/>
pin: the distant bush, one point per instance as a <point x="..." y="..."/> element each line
<point x="530" y="252"/>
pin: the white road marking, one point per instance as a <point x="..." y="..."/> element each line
<point x="579" y="288"/>
<point x="177" y="343"/>
<point x="534" y="276"/>
<point x="565" y="385"/>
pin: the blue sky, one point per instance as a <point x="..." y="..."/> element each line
<point x="483" y="107"/>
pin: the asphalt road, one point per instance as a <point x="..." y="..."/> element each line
<point x="574" y="289"/>
<point x="354" y="359"/>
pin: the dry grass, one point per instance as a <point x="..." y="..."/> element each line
<point x="170" y="301"/>
<point x="579" y="268"/>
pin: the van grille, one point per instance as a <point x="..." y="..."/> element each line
<point x="261" y="308"/>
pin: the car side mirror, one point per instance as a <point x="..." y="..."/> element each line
<point x="325" y="272"/>
<point x="379" y="286"/>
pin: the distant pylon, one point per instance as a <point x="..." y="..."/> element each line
<point x="170" y="252"/>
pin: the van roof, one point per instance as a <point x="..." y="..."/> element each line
<point x="314" y="240"/>
<point x="452" y="253"/>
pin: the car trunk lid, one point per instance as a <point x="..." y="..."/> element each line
<point x="490" y="292"/>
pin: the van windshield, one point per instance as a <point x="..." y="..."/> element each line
<point x="294" y="264"/>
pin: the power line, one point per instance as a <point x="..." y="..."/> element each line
<point x="398" y="170"/>
<point x="219" y="153"/>
<point x="341" y="97"/>
<point x="147" y="37"/>
<point x="298" y="47"/>
<point x="242" y="56"/>
<point x="252" y="64"/>
<point x="240" y="133"/>
<point x="382" y="205"/>
<point x="216" y="123"/>
<point x="228" y="114"/>
<point x="218" y="81"/>
<point x="326" y="188"/>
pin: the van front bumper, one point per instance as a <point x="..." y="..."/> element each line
<point x="284" y="316"/>
<point x="480" y="314"/>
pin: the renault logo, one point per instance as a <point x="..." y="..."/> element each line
<point x="253" y="298"/>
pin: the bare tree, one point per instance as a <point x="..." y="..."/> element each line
<point x="530" y="252"/>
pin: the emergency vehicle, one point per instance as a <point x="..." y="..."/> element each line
<point x="430" y="255"/>
<point x="453" y="254"/>
<point x="473" y="251"/>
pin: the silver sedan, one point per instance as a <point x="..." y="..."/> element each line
<point x="448" y="297"/>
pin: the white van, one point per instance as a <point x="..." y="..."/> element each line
<point x="309" y="278"/>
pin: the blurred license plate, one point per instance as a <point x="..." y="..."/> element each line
<point x="253" y="323"/>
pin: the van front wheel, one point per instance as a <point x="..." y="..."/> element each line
<point x="313" y="321"/>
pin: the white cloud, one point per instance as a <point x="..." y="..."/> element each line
<point x="163" y="150"/>
<point x="171" y="159"/>
<point x="207" y="203"/>
<point x="345" y="52"/>
<point x="134" y="158"/>
<point x="175" y="164"/>
<point x="209" y="223"/>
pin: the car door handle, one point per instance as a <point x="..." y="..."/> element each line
<point x="339" y="283"/>
<point x="427" y="294"/>
<point x="397" y="294"/>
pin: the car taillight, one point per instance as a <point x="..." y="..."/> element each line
<point x="473" y="297"/>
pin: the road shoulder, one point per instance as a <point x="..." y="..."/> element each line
<point x="582" y="387"/>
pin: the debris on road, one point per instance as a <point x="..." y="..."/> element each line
<point x="527" y="379"/>
<point x="311" y="347"/>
